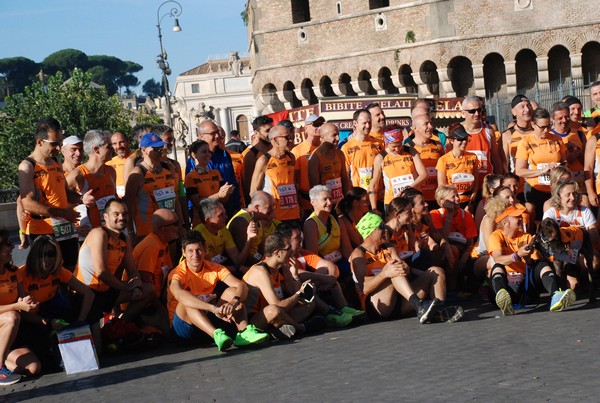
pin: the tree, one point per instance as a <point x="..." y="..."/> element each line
<point x="76" y="104"/>
<point x="64" y="61"/>
<point x="153" y="89"/>
<point x="18" y="72"/>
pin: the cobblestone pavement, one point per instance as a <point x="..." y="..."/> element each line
<point x="532" y="356"/>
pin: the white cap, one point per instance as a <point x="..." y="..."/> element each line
<point x="69" y="141"/>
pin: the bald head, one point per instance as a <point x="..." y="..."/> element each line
<point x="420" y="110"/>
<point x="161" y="218"/>
<point x="260" y="198"/>
<point x="329" y="133"/>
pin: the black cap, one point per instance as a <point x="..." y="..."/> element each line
<point x="517" y="100"/>
<point x="286" y="123"/>
<point x="570" y="100"/>
<point x="458" y="132"/>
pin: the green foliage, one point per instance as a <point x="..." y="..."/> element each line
<point x="153" y="89"/>
<point x="64" y="61"/>
<point x="244" y="15"/>
<point x="18" y="72"/>
<point x="145" y="117"/>
<point x="76" y="104"/>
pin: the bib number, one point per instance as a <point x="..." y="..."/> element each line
<point x="515" y="279"/>
<point x="399" y="183"/>
<point x="431" y="181"/>
<point x="335" y="187"/>
<point x="165" y="198"/>
<point x="365" y="175"/>
<point x="483" y="160"/>
<point x="463" y="182"/>
<point x="287" y="196"/>
<point x="120" y="191"/>
<point x="63" y="229"/>
<point x="333" y="256"/>
<point x="219" y="259"/>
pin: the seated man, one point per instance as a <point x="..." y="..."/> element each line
<point x="104" y="255"/>
<point x="153" y="262"/>
<point x="195" y="310"/>
<point x="510" y="277"/>
<point x="322" y="273"/>
<point x="260" y="211"/>
<point x="266" y="300"/>
<point x="382" y="282"/>
<point x="220" y="247"/>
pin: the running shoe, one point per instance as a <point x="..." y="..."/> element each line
<point x="284" y="332"/>
<point x="504" y="302"/>
<point x="561" y="300"/>
<point x="425" y="308"/>
<point x="7" y="377"/>
<point x="448" y="314"/>
<point x="251" y="336"/>
<point x="222" y="341"/>
<point x="351" y="311"/>
<point x="338" y="320"/>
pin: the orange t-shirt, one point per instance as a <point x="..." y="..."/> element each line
<point x="159" y="190"/>
<point x="398" y="172"/>
<point x="330" y="173"/>
<point x="460" y="172"/>
<point x="309" y="260"/>
<point x="280" y="182"/>
<point x="462" y="224"/>
<point x="152" y="256"/>
<point x="303" y="153"/>
<point x="573" y="139"/>
<point x="539" y="153"/>
<point x="44" y="289"/>
<point x="203" y="184"/>
<point x="201" y="284"/>
<point x="118" y="163"/>
<point x="508" y="246"/>
<point x="104" y="189"/>
<point x="360" y="156"/>
<point x="430" y="154"/>
<point x="237" y="160"/>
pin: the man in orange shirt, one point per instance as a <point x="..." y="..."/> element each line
<point x="261" y="125"/>
<point x="377" y="120"/>
<point x="120" y="145"/>
<point x="303" y="152"/>
<point x="194" y="308"/>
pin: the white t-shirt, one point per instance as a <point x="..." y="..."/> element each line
<point x="581" y="217"/>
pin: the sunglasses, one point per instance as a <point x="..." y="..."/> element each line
<point x="53" y="143"/>
<point x="547" y="127"/>
<point x="472" y="111"/>
<point x="158" y="149"/>
<point x="213" y="134"/>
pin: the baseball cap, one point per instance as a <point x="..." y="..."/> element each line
<point x="286" y="123"/>
<point x="368" y="223"/>
<point x="518" y="99"/>
<point x="69" y="141"/>
<point x="571" y="100"/>
<point x="151" y="140"/>
<point x="393" y="135"/>
<point x="314" y="120"/>
<point x="512" y="211"/>
<point x="458" y="132"/>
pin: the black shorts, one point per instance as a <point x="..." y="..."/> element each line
<point x="104" y="302"/>
<point x="537" y="198"/>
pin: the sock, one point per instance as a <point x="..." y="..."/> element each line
<point x="499" y="281"/>
<point x="549" y="282"/>
<point x="414" y="301"/>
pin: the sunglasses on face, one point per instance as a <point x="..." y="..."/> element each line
<point x="53" y="143"/>
<point x="158" y="149"/>
<point x="472" y="111"/>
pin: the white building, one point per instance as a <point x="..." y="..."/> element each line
<point x="221" y="87"/>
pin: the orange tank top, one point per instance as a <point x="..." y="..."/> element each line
<point x="330" y="173"/>
<point x="281" y="184"/>
<point x="104" y="189"/>
<point x="158" y="191"/>
<point x="398" y="173"/>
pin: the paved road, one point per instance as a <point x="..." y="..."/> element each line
<point x="533" y="356"/>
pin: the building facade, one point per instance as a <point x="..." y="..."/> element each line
<point x="219" y="89"/>
<point x="303" y="50"/>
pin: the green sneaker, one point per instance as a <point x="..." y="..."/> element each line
<point x="341" y="320"/>
<point x="504" y="302"/>
<point x="351" y="311"/>
<point x="222" y="341"/>
<point x="251" y="336"/>
<point x="561" y="300"/>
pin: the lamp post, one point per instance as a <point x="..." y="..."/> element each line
<point x="162" y="63"/>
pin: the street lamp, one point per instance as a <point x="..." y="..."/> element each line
<point x="162" y="63"/>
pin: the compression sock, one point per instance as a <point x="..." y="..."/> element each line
<point x="550" y="283"/>
<point x="499" y="281"/>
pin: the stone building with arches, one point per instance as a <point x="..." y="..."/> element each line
<point x="303" y="50"/>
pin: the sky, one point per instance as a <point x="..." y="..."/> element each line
<point x="125" y="29"/>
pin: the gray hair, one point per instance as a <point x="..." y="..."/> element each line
<point x="93" y="139"/>
<point x="260" y="197"/>
<point x="470" y="98"/>
<point x="559" y="106"/>
<point x="209" y="206"/>
<point x="316" y="191"/>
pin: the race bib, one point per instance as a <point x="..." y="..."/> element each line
<point x="333" y="256"/>
<point x="63" y="229"/>
<point x="120" y="191"/>
<point x="219" y="259"/>
<point x="457" y="237"/>
<point x="335" y="187"/>
<point x="165" y="198"/>
<point x="399" y="183"/>
<point x="287" y="196"/>
<point x="544" y="179"/>
<point x="483" y="161"/>
<point x="207" y="297"/>
<point x="365" y="175"/>
<point x="279" y="292"/>
<point x="463" y="182"/>
<point x="431" y="181"/>
<point x="568" y="255"/>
